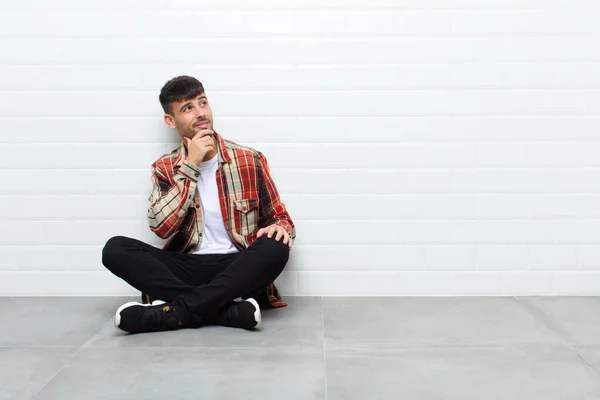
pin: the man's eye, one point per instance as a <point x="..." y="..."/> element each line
<point x="188" y="108"/>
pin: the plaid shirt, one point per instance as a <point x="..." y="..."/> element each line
<point x="247" y="195"/>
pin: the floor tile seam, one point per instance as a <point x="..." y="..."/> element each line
<point x="62" y="366"/>
<point x="97" y="332"/>
<point x="324" y="348"/>
<point x="539" y="316"/>
<point x="75" y="353"/>
<point x="110" y="317"/>
<point x="583" y="349"/>
<point x="579" y="351"/>
<point x="519" y="346"/>
<point x="316" y="350"/>
<point x="568" y="341"/>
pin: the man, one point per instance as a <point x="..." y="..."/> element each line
<point x="228" y="232"/>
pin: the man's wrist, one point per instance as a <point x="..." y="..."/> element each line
<point x="192" y="161"/>
<point x="190" y="170"/>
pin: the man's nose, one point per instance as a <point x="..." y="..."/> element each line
<point x="200" y="113"/>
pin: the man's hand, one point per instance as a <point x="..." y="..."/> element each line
<point x="199" y="146"/>
<point x="279" y="233"/>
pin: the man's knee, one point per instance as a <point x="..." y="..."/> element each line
<point x="276" y="250"/>
<point x="112" y="251"/>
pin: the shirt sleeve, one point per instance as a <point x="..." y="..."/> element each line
<point x="272" y="210"/>
<point x="171" y="198"/>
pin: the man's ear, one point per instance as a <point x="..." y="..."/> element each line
<point x="168" y="118"/>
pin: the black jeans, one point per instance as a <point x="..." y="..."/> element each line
<point x="197" y="285"/>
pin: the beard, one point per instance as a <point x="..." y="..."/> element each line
<point x="191" y="131"/>
<point x="198" y="129"/>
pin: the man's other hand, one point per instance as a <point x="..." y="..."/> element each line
<point x="279" y="233"/>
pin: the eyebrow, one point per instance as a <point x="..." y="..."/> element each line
<point x="187" y="103"/>
<point x="184" y="105"/>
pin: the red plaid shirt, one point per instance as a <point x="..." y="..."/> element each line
<point x="247" y="195"/>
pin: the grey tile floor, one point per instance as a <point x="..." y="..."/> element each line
<point x="317" y="348"/>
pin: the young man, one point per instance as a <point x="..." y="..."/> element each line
<point x="228" y="232"/>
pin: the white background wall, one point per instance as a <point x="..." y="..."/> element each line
<point x="422" y="146"/>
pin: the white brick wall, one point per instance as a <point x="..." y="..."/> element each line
<point x="459" y="139"/>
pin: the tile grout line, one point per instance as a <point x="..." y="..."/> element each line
<point x="548" y="325"/>
<point x="353" y="348"/>
<point x="555" y="331"/>
<point x="92" y="335"/>
<point x="64" y="364"/>
<point x="324" y="348"/>
<point x="54" y="375"/>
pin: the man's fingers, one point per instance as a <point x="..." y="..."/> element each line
<point x="203" y="133"/>
<point x="279" y="235"/>
<point x="208" y="134"/>
<point x="287" y="239"/>
<point x="198" y="135"/>
<point x="207" y="141"/>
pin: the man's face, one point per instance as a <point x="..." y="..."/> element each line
<point x="190" y="116"/>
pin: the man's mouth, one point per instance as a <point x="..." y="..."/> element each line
<point x="203" y="124"/>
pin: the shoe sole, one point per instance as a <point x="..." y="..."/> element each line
<point x="257" y="315"/>
<point x="117" y="318"/>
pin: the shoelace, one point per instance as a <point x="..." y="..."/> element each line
<point x="157" y="318"/>
<point x="231" y="313"/>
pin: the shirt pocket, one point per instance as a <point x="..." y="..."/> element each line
<point x="246" y="215"/>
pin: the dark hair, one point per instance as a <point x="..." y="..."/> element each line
<point x="177" y="89"/>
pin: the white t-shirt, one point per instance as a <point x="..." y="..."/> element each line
<point x="215" y="239"/>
